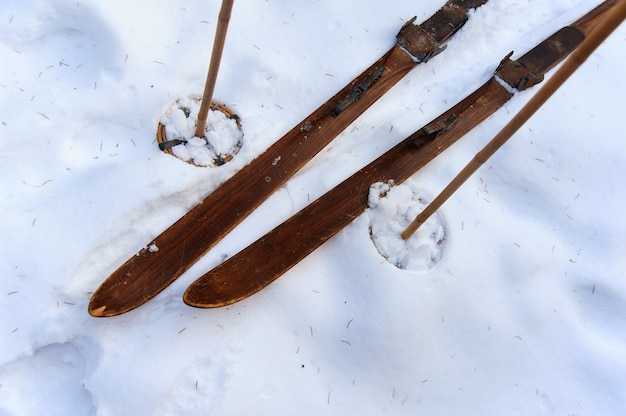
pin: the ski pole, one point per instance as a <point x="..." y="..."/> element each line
<point x="578" y="57"/>
<point x="216" y="56"/>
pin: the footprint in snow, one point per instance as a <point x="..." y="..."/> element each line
<point x="391" y="210"/>
<point x="56" y="374"/>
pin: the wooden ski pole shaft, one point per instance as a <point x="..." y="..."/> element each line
<point x="599" y="34"/>
<point x="216" y="57"/>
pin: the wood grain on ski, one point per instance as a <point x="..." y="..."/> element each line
<point x="167" y="257"/>
<point x="282" y="248"/>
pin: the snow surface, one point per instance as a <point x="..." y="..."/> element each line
<point x="524" y="313"/>
<point x="222" y="140"/>
<point x="392" y="208"/>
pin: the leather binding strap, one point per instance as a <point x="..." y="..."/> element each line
<point x="425" y="40"/>
<point x="419" y="42"/>
<point x="529" y="69"/>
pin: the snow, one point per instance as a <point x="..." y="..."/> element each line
<point x="392" y="208"/>
<point x="524" y="312"/>
<point x="222" y="140"/>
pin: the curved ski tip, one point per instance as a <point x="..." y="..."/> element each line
<point x="97" y="312"/>
<point x="196" y="298"/>
<point x="105" y="308"/>
<point x="101" y="306"/>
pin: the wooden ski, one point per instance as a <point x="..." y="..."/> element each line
<point x="282" y="248"/>
<point x="164" y="259"/>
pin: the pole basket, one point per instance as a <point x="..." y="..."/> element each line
<point x="223" y="135"/>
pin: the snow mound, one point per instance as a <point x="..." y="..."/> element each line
<point x="54" y="374"/>
<point x="391" y="210"/>
<point x="222" y="139"/>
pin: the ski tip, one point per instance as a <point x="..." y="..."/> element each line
<point x="198" y="296"/>
<point x="97" y="312"/>
<point x="124" y="291"/>
<point x="104" y="304"/>
<point x="192" y="298"/>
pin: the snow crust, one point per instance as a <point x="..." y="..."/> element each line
<point x="524" y="312"/>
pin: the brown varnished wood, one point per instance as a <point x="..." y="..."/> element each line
<point x="272" y="255"/>
<point x="148" y="272"/>
<point x="604" y="29"/>
<point x="269" y="257"/>
<point x="589" y="21"/>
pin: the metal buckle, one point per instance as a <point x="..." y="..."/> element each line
<point x="434" y="129"/>
<point x="359" y="90"/>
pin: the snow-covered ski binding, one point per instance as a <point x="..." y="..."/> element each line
<point x="282" y="248"/>
<point x="164" y="259"/>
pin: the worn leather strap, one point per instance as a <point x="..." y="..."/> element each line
<point x="530" y="68"/>
<point x="425" y="40"/>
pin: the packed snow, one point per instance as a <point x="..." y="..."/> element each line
<point x="222" y="137"/>
<point x="512" y="301"/>
<point x="392" y="208"/>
